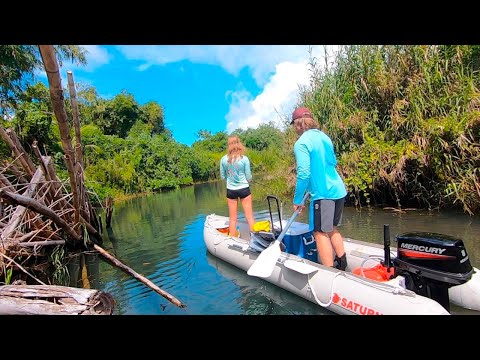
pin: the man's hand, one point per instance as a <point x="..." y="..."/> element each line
<point x="301" y="207"/>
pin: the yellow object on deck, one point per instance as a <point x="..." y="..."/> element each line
<point x="263" y="225"/>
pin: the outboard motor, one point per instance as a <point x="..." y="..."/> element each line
<point x="431" y="264"/>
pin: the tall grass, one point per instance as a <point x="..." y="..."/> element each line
<point x="405" y="122"/>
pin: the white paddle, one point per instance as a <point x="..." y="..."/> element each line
<point x="264" y="264"/>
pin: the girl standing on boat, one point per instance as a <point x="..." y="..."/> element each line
<point x="235" y="169"/>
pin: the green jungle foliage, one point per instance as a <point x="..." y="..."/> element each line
<point x="18" y="64"/>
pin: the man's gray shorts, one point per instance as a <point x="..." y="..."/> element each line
<point x="327" y="214"/>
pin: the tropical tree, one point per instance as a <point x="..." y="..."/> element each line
<point x="18" y="64"/>
<point x="119" y="115"/>
<point x="261" y="138"/>
<point x="208" y="142"/>
<point x="34" y="120"/>
<point x="152" y="114"/>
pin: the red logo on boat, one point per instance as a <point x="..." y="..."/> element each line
<point x="353" y="306"/>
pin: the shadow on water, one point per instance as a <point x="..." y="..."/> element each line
<point x="161" y="237"/>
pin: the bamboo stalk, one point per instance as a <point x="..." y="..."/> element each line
<point x="31" y="166"/>
<point x="58" y="189"/>
<point x="17" y="215"/>
<point x="76" y="118"/>
<point x="50" y="63"/>
<point x="78" y="163"/>
<point x="42" y="163"/>
<point x="6" y="183"/>
<point x="18" y="154"/>
<point x="14" y="170"/>
<point x="42" y="243"/>
<point x="49" y="193"/>
<point x="81" y="192"/>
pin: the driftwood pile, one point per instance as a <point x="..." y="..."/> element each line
<point x="38" y="210"/>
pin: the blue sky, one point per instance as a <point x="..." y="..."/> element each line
<point x="202" y="87"/>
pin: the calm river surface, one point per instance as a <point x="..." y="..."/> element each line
<point x="161" y="237"/>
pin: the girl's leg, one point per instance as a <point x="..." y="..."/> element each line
<point x="247" y="205"/>
<point x="232" y="212"/>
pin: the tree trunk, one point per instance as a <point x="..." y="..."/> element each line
<point x="53" y="300"/>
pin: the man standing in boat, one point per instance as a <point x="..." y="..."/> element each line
<point x="316" y="172"/>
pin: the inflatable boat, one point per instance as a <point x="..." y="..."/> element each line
<point x="423" y="275"/>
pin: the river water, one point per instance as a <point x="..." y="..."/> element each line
<point x="161" y="237"/>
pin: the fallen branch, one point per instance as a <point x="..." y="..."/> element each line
<point x="139" y="277"/>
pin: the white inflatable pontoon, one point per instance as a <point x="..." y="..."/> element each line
<point x="359" y="289"/>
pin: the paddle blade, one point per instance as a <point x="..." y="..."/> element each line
<point x="263" y="266"/>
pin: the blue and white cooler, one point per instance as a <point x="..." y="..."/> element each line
<point x="300" y="241"/>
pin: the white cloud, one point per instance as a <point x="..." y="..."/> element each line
<point x="260" y="59"/>
<point x="96" y="57"/>
<point x="278" y="69"/>
<point x="278" y="96"/>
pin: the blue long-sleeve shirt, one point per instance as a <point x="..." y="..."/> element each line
<point x="316" y="169"/>
<point x="238" y="173"/>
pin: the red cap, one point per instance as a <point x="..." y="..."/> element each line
<point x="300" y="113"/>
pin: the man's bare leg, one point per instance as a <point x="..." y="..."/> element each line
<point x="324" y="248"/>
